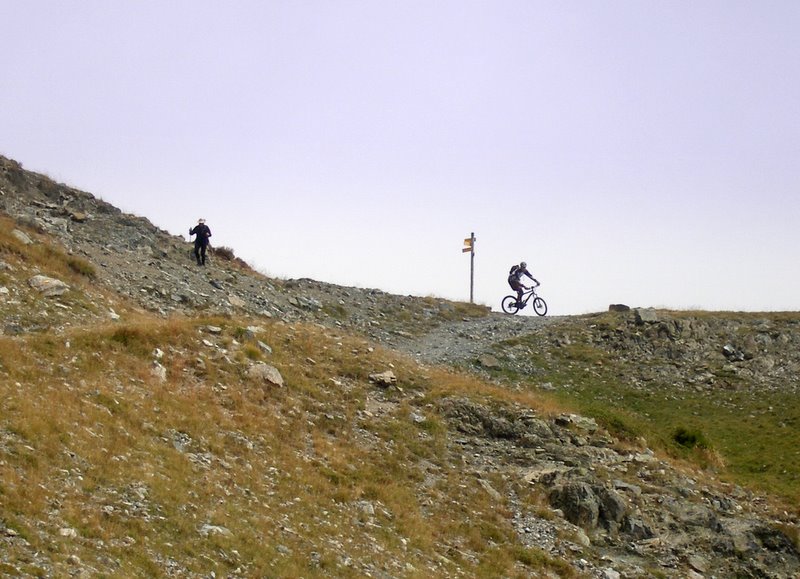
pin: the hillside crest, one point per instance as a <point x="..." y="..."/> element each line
<point x="163" y="419"/>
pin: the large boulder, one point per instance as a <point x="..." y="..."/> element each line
<point x="489" y="362"/>
<point x="22" y="237"/>
<point x="578" y="503"/>
<point x="589" y="505"/>
<point x="384" y="379"/>
<point x="646" y="316"/>
<point x="266" y="374"/>
<point x="48" y="286"/>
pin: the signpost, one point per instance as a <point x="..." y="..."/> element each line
<point x="469" y="247"/>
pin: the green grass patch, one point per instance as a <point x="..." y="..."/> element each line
<point x="747" y="438"/>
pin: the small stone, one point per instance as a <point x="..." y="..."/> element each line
<point x="48" y="286"/>
<point x="207" y="530"/>
<point x="417" y="418"/>
<point x="159" y="372"/>
<point x="489" y="362"/>
<point x="236" y="301"/>
<point x="698" y="563"/>
<point x="22" y="237"/>
<point x="496" y="496"/>
<point x="582" y="538"/>
<point x="386" y="378"/>
<point x="266" y="373"/>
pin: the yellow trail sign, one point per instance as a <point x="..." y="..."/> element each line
<point x="469" y="247"/>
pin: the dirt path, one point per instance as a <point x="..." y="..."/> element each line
<point x="462" y="342"/>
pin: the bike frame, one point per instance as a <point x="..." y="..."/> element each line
<point x="528" y="294"/>
<point x="539" y="305"/>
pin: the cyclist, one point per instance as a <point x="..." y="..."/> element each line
<point x="515" y="280"/>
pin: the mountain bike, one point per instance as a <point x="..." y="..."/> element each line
<point x="512" y="306"/>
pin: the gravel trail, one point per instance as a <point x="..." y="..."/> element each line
<point x="462" y="342"/>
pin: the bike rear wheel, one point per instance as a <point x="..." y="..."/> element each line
<point x="539" y="306"/>
<point x="509" y="304"/>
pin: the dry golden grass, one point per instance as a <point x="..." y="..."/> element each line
<point x="92" y="440"/>
<point x="42" y="253"/>
<point x="141" y="465"/>
<point x="444" y="383"/>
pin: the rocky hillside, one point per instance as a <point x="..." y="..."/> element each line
<point x="154" y="269"/>
<point x="160" y="419"/>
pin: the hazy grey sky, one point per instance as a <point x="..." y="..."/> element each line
<point x="637" y="152"/>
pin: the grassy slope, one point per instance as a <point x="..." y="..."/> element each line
<point x="212" y="471"/>
<point x="93" y="441"/>
<point x="750" y="438"/>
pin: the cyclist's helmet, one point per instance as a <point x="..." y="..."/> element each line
<point x="523" y="265"/>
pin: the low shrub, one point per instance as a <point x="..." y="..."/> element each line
<point x="225" y="253"/>
<point x="82" y="267"/>
<point x="689" y="439"/>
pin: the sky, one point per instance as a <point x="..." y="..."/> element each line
<point x="638" y="153"/>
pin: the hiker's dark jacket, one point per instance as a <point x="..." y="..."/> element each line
<point x="202" y="231"/>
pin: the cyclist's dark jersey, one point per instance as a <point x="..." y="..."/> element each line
<point x="517" y="275"/>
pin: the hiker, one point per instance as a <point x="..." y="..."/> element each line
<point x="515" y="279"/>
<point x="202" y="231"/>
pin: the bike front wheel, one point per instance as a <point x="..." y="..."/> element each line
<point x="539" y="306"/>
<point x="509" y="304"/>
